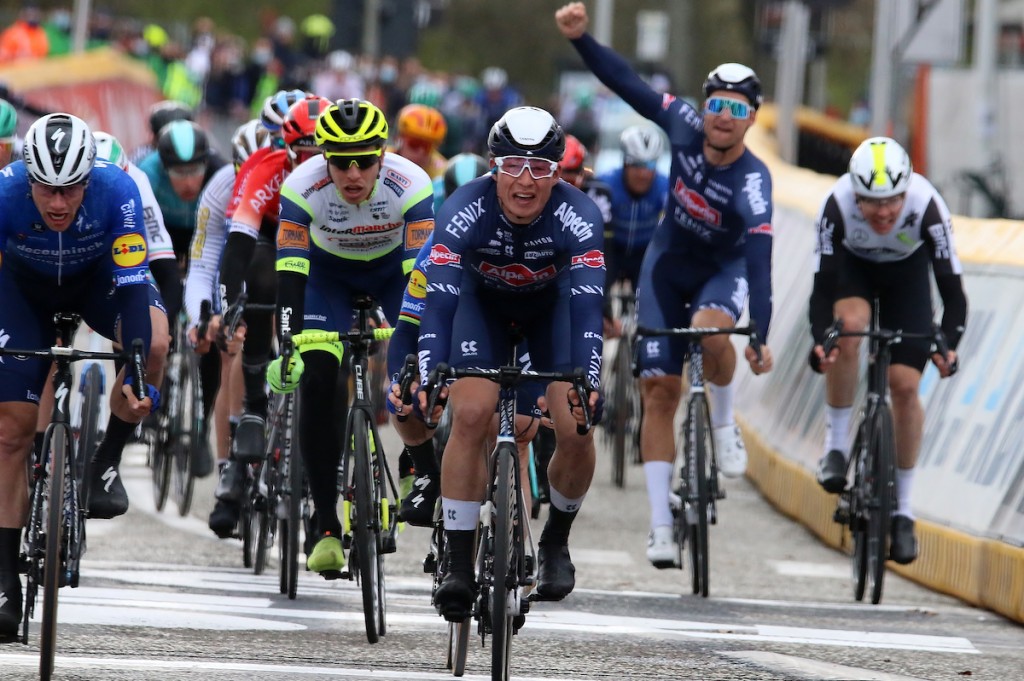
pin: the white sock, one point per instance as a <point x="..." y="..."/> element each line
<point x="659" y="483"/>
<point x="564" y="503"/>
<point x="837" y="429"/>
<point x="460" y="515"/>
<point x="904" y="484"/>
<point x="721" y="404"/>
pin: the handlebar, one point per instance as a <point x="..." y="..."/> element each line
<point x="135" y="358"/>
<point x="695" y="333"/>
<point x="886" y="337"/>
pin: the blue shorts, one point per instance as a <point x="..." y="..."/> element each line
<point x="329" y="296"/>
<point x="670" y="290"/>
<point x="26" y="321"/>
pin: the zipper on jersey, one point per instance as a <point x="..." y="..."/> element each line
<point x="60" y="258"/>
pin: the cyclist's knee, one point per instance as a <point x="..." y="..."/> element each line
<point x="17" y="428"/>
<point x="660" y="393"/>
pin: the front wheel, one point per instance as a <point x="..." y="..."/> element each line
<point x="366" y="526"/>
<point x="56" y="538"/>
<point x="699" y="445"/>
<point x="505" y="573"/>
<point x="882" y="494"/>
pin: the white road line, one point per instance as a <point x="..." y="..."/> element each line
<point x="793" y="568"/>
<point x="804" y="668"/>
<point x="112" y="663"/>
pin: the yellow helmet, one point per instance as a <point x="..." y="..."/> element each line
<point x="351" y="123"/>
<point x="422" y="122"/>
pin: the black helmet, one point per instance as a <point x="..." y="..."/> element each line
<point x="181" y="143"/>
<point x="527" y="131"/>
<point x="162" y="113"/>
<point x="735" y="78"/>
<point x="461" y="169"/>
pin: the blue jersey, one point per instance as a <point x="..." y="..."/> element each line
<point x="715" y="214"/>
<point x="634" y="218"/>
<point x="107" y="239"/>
<point x="519" y="271"/>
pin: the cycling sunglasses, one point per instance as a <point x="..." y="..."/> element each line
<point x="540" y="168"/>
<point x="363" y="160"/>
<point x="737" y="109"/>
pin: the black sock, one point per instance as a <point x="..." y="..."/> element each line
<point x="10" y="546"/>
<point x="406" y="466"/>
<point x="556" y="529"/>
<point x="118" y="432"/>
<point x="254" y="377"/>
<point x="38" y="451"/>
<point x="423" y="457"/>
<point x="460" y="548"/>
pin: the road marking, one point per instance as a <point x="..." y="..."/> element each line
<point x="134" y="664"/>
<point x="804" y="668"/>
<point x="793" y="568"/>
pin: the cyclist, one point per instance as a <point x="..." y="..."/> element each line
<point x="713" y="245"/>
<point x="638" y="197"/>
<point x="8" y="132"/>
<point x="421" y="130"/>
<point x="201" y="283"/>
<point x="160" y="114"/>
<point x="249" y="255"/>
<point x="70" y="240"/>
<point x="460" y="169"/>
<point x="878" y="231"/>
<point x="352" y="221"/>
<point x="517" y="246"/>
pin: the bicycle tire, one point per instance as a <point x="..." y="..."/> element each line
<point x="504" y="575"/>
<point x="91" y="388"/>
<point x="365" y="530"/>
<point x="245" y="519"/>
<point x="161" y="459"/>
<point x="622" y="376"/>
<point x="883" y="484"/>
<point x="699" y="438"/>
<point x="458" y="646"/>
<point x="56" y="520"/>
<point x="186" y="431"/>
<point x="290" y="526"/>
<point x="261" y="519"/>
<point x="857" y="517"/>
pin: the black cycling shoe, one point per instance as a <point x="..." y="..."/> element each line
<point x="249" y="439"/>
<point x="224" y="519"/>
<point x="556" y="575"/>
<point x="107" y="496"/>
<point x="231" y="483"/>
<point x="832" y="471"/>
<point x="903" y="544"/>
<point x="202" y="458"/>
<point x="455" y="595"/>
<point x="10" y="604"/>
<point x="418" y="506"/>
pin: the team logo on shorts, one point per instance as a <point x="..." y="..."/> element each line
<point x="129" y="250"/>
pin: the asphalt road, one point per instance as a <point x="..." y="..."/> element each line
<point x="162" y="598"/>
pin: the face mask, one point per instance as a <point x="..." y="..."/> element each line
<point x="388" y="74"/>
<point x="261" y="57"/>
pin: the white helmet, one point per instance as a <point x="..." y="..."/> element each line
<point x="110" y="150"/>
<point x="249" y="137"/>
<point x="494" y="78"/>
<point x="59" y="150"/>
<point x="880" y="168"/>
<point x="640" y="144"/>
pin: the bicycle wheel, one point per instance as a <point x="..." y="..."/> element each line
<point x="289" y="525"/>
<point x="366" y="527"/>
<point x="56" y="521"/>
<point x="882" y="484"/>
<point x="160" y="460"/>
<point x="186" y="431"/>
<point x="92" y="389"/>
<point x="858" y="515"/>
<point x="261" y="518"/>
<point x="505" y="575"/>
<point x="699" y="445"/>
<point x="622" y="376"/>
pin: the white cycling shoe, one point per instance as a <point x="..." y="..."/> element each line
<point x="662" y="549"/>
<point x="732" y="454"/>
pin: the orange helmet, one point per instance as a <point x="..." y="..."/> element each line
<point x="301" y="119"/>
<point x="422" y="122"/>
<point x="575" y="154"/>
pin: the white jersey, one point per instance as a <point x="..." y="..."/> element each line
<point x="403" y="196"/>
<point x="924" y="218"/>
<point x="158" y="241"/>
<point x="208" y="242"/>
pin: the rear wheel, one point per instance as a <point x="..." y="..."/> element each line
<point x="92" y="389"/>
<point x="186" y="431"/>
<point x="366" y="528"/>
<point x="160" y="457"/>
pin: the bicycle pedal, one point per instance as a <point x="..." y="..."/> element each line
<point x="841" y="516"/>
<point x="331" y="575"/>
<point x="388" y="543"/>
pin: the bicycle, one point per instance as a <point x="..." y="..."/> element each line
<point x="180" y="422"/>
<point x="624" y="408"/>
<point x="695" y="505"/>
<point x="365" y="484"/>
<point x="54" y="540"/>
<point x="866" y="506"/>
<point x="506" y="559"/>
